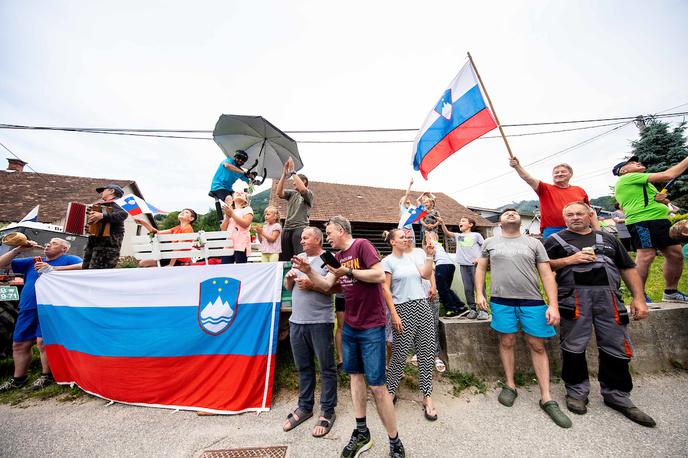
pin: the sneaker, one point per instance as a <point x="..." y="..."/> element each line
<point x="42" y="381"/>
<point x="678" y="296"/>
<point x="472" y="315"/>
<point x="397" y="451"/>
<point x="577" y="406"/>
<point x="359" y="443"/>
<point x="12" y="384"/>
<point x="633" y="414"/>
<point x="647" y="298"/>
<point x="555" y="413"/>
<point x="451" y="314"/>
<point x="482" y="315"/>
<point x="507" y="396"/>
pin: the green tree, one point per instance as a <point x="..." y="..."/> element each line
<point x="207" y="222"/>
<point x="659" y="147"/>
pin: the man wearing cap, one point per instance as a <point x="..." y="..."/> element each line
<point x="229" y="172"/>
<point x="102" y="251"/>
<point x="27" y="329"/>
<point x="554" y="196"/>
<point x="647" y="219"/>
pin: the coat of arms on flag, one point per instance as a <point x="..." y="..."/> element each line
<point x="218" y="304"/>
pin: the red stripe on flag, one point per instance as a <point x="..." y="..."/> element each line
<point x="478" y="125"/>
<point x="220" y="382"/>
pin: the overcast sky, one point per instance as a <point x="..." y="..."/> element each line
<point x="310" y="65"/>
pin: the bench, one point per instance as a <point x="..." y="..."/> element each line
<point x="197" y="245"/>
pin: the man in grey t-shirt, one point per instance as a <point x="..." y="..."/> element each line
<point x="515" y="262"/>
<point x="311" y="329"/>
<point x="299" y="203"/>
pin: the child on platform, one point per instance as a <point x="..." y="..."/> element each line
<point x="269" y="235"/>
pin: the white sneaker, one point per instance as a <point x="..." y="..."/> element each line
<point x="678" y="296"/>
<point x="482" y="315"/>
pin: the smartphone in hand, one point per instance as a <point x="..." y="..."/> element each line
<point x="329" y="260"/>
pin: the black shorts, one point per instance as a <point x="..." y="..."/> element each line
<point x="651" y="234"/>
<point x="338" y="304"/>
<point x="221" y="194"/>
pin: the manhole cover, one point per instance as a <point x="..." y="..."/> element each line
<point x="278" y="451"/>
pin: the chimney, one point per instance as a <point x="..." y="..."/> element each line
<point x="16" y="165"/>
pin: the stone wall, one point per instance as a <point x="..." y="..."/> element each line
<point x="659" y="342"/>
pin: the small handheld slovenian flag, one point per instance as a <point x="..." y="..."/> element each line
<point x="459" y="117"/>
<point x="414" y="214"/>
<point x="135" y="205"/>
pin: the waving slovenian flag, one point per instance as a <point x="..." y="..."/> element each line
<point x="135" y="205"/>
<point x="458" y="118"/>
<point x="414" y="214"/>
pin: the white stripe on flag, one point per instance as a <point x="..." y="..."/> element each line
<point x="152" y="287"/>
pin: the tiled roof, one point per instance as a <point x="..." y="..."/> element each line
<point x="21" y="191"/>
<point x="371" y="205"/>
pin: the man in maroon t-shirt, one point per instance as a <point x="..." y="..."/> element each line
<point x="553" y="197"/>
<point x="363" y="335"/>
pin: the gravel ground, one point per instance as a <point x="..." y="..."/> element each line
<point x="469" y="425"/>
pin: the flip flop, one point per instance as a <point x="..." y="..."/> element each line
<point x="325" y="423"/>
<point x="439" y="365"/>
<point x="427" y="415"/>
<point x="296" y="418"/>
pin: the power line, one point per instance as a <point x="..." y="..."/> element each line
<point x="325" y="131"/>
<point x="25" y="163"/>
<point x="557" y="153"/>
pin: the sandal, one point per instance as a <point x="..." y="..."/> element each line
<point x="427" y="414"/>
<point x="296" y="418"/>
<point x="325" y="423"/>
<point x="439" y="365"/>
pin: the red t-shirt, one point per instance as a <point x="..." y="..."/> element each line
<point x="365" y="305"/>
<point x="180" y="230"/>
<point x="552" y="202"/>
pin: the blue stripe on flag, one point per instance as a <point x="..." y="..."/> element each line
<point x="154" y="331"/>
<point x="467" y="106"/>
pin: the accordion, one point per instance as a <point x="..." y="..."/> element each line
<point x="76" y="221"/>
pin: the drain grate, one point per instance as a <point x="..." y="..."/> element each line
<point x="278" y="451"/>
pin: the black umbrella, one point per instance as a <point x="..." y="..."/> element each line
<point x="268" y="148"/>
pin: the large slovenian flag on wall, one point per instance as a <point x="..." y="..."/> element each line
<point x="459" y="117"/>
<point x="196" y="338"/>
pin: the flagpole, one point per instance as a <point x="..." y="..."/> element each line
<point x="499" y="125"/>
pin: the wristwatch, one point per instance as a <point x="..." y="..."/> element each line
<point x="350" y="273"/>
<point x="291" y="174"/>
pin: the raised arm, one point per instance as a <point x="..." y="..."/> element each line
<point x="280" y="184"/>
<point x="670" y="173"/>
<point x="242" y="221"/>
<point x="525" y="176"/>
<point x="446" y="231"/>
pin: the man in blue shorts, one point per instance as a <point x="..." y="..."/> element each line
<point x="515" y="261"/>
<point x="363" y="336"/>
<point x="27" y="328"/>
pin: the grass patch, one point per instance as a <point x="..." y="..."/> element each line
<point x="62" y="393"/>
<point x="461" y="381"/>
<point x="411" y="377"/>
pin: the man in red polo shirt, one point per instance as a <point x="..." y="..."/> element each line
<point x="553" y="197"/>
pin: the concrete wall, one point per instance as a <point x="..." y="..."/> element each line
<point x="659" y="342"/>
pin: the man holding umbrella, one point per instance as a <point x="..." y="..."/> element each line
<point x="299" y="203"/>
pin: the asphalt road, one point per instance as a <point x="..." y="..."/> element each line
<point x="470" y="425"/>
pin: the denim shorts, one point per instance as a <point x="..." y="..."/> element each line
<point x="27" y="326"/>
<point x="505" y="319"/>
<point x="364" y="352"/>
